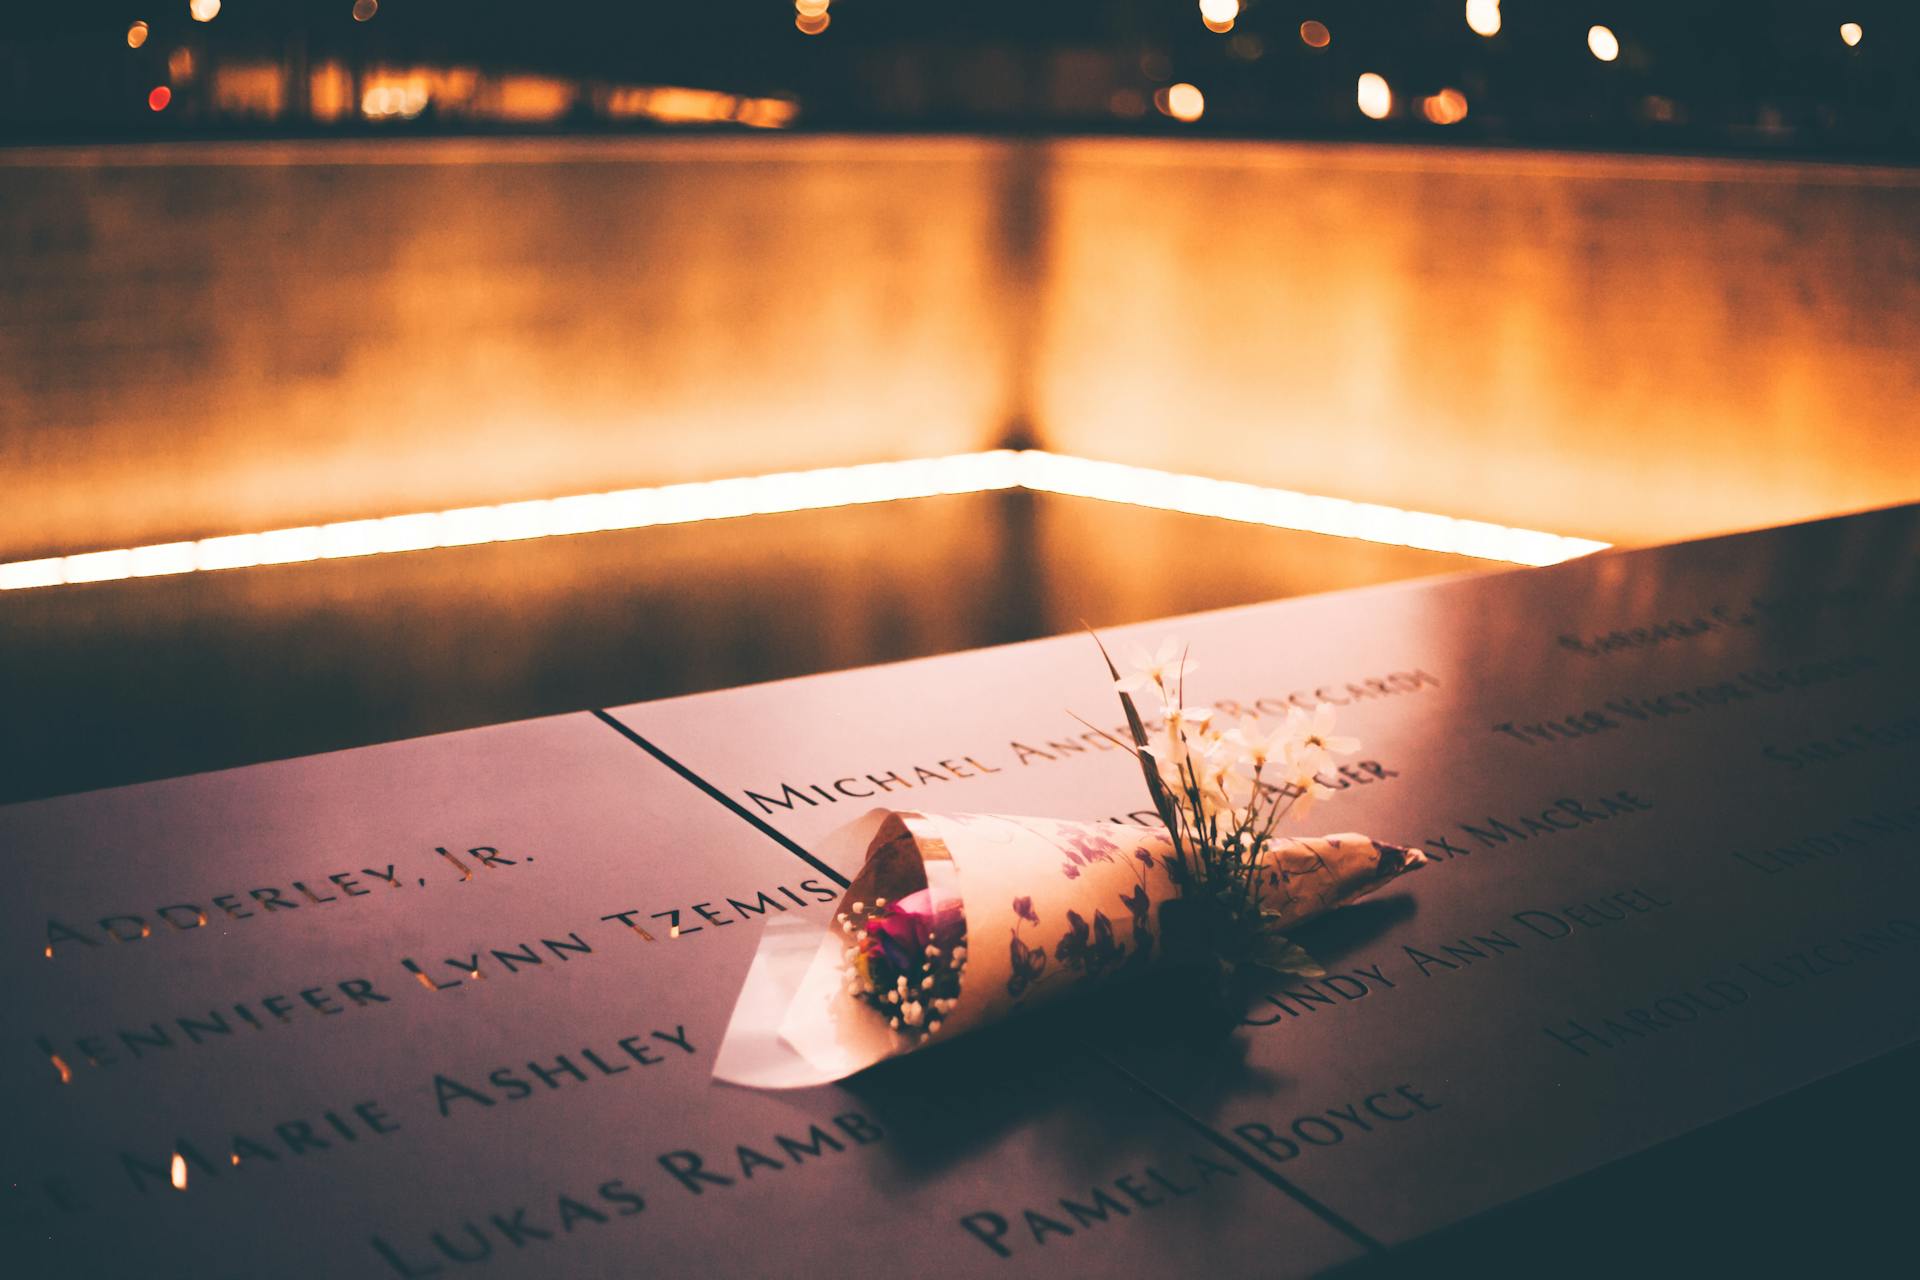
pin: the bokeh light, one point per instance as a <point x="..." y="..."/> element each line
<point x="204" y="10"/>
<point x="810" y="8"/>
<point x="1603" y="43"/>
<point x="136" y="35"/>
<point x="1218" y="15"/>
<point x="812" y="24"/>
<point x="1850" y="33"/>
<point x="1315" y="34"/>
<point x="159" y="97"/>
<point x="1374" y="96"/>
<point x="1484" y="17"/>
<point x="1185" y="102"/>
<point x="363" y="10"/>
<point x="1449" y="106"/>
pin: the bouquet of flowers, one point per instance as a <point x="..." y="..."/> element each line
<point x="1222" y="794"/>
<point x="957" y="921"/>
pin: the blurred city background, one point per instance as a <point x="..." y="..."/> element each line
<point x="1627" y="272"/>
<point x="1764" y="75"/>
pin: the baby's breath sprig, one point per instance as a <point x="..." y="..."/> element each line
<point x="902" y="962"/>
<point x="1222" y="793"/>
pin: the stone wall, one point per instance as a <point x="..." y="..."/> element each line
<point x="204" y="338"/>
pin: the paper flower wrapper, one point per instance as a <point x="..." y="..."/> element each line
<point x="956" y="921"/>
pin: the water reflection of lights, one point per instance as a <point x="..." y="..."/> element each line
<point x="1031" y="469"/>
<point x="403" y="98"/>
<point x="673" y="104"/>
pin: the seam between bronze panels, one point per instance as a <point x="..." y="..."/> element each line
<point x="626" y="731"/>
<point x="1254" y="1164"/>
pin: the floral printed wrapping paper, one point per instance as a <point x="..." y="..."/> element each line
<point x="956" y="921"/>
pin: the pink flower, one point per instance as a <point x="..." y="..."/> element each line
<point x="901" y="932"/>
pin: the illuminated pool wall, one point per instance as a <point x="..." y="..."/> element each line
<point x="210" y="338"/>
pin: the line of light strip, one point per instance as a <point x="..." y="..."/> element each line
<point x="1032" y="469"/>
<point x="1287" y="509"/>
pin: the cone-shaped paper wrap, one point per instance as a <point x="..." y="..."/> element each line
<point x="959" y="920"/>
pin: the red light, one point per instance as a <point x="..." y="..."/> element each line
<point x="159" y="98"/>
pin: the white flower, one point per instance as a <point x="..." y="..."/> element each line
<point x="1176" y="739"/>
<point x="1170" y="767"/>
<point x="1323" y="736"/>
<point x="1213" y="792"/>
<point x="1179" y="717"/>
<point x="1224" y="794"/>
<point x="1164" y="669"/>
<point x="1185" y="734"/>
<point x="1310" y="741"/>
<point x="1252" y="748"/>
<point x="1168" y="751"/>
<point x="1310" y="791"/>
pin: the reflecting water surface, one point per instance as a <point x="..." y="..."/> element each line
<point x="117" y="682"/>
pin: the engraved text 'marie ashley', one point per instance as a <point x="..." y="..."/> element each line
<point x="491" y="1086"/>
<point x="290" y="1141"/>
